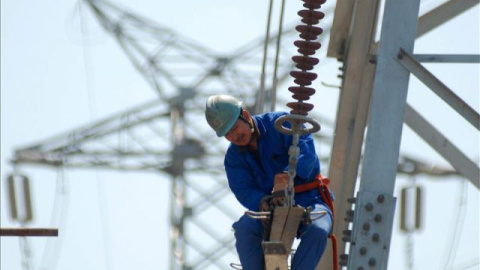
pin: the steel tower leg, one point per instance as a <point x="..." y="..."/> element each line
<point x="352" y="112"/>
<point x="177" y="258"/>
<point x="178" y="247"/>
<point x="375" y="204"/>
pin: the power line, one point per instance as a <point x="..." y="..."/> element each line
<point x="59" y="218"/>
<point x="101" y="189"/>
<point x="457" y="227"/>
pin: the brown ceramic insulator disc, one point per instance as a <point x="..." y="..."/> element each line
<point x="310" y="44"/>
<point x="307" y="47"/>
<point x="303" y="78"/>
<point x="308" y="36"/>
<point x="304" y="29"/>
<point x="313" y="4"/>
<point x="300" y="97"/>
<point x="300" y="107"/>
<point x="305" y="62"/>
<point x="303" y="75"/>
<point x="302" y="81"/>
<point x="309" y="32"/>
<point x="306" y="51"/>
<point x="311" y="17"/>
<point x="301" y="93"/>
<point x="304" y="66"/>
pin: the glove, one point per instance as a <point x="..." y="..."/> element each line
<point x="265" y="203"/>
<point x="265" y="206"/>
<point x="280" y="183"/>
<point x="278" y="198"/>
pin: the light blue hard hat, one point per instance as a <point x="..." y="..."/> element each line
<point x="222" y="111"/>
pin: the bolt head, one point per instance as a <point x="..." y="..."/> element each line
<point x="369" y="207"/>
<point x="375" y="237"/>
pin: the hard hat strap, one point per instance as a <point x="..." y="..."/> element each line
<point x="241" y="116"/>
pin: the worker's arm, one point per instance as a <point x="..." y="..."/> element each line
<point x="242" y="183"/>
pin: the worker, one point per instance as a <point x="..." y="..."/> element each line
<point x="256" y="164"/>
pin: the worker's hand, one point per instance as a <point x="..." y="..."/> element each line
<point x="278" y="198"/>
<point x="265" y="203"/>
<point x="265" y="206"/>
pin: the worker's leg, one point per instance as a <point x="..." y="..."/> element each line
<point x="249" y="236"/>
<point x="313" y="240"/>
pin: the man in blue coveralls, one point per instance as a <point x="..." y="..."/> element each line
<point x="256" y="164"/>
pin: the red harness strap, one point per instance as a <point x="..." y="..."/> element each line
<point x="321" y="184"/>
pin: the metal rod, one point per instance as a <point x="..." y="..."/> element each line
<point x="28" y="232"/>
<point x="261" y="92"/>
<point x="442" y="14"/>
<point x="447" y="58"/>
<point x="443" y="146"/>
<point x="273" y="98"/>
<point x="439" y="88"/>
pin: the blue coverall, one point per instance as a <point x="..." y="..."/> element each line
<point x="251" y="179"/>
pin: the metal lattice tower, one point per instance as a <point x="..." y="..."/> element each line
<point x="374" y="87"/>
<point x="167" y="135"/>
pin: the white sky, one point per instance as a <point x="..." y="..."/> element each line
<point x="44" y="93"/>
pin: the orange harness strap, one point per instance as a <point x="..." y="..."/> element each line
<point x="321" y="184"/>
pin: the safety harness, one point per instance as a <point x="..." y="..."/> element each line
<point x="321" y="183"/>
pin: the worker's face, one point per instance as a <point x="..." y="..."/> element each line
<point x="240" y="134"/>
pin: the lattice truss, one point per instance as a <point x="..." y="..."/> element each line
<point x="169" y="134"/>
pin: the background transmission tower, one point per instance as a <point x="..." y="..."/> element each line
<point x="168" y="135"/>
